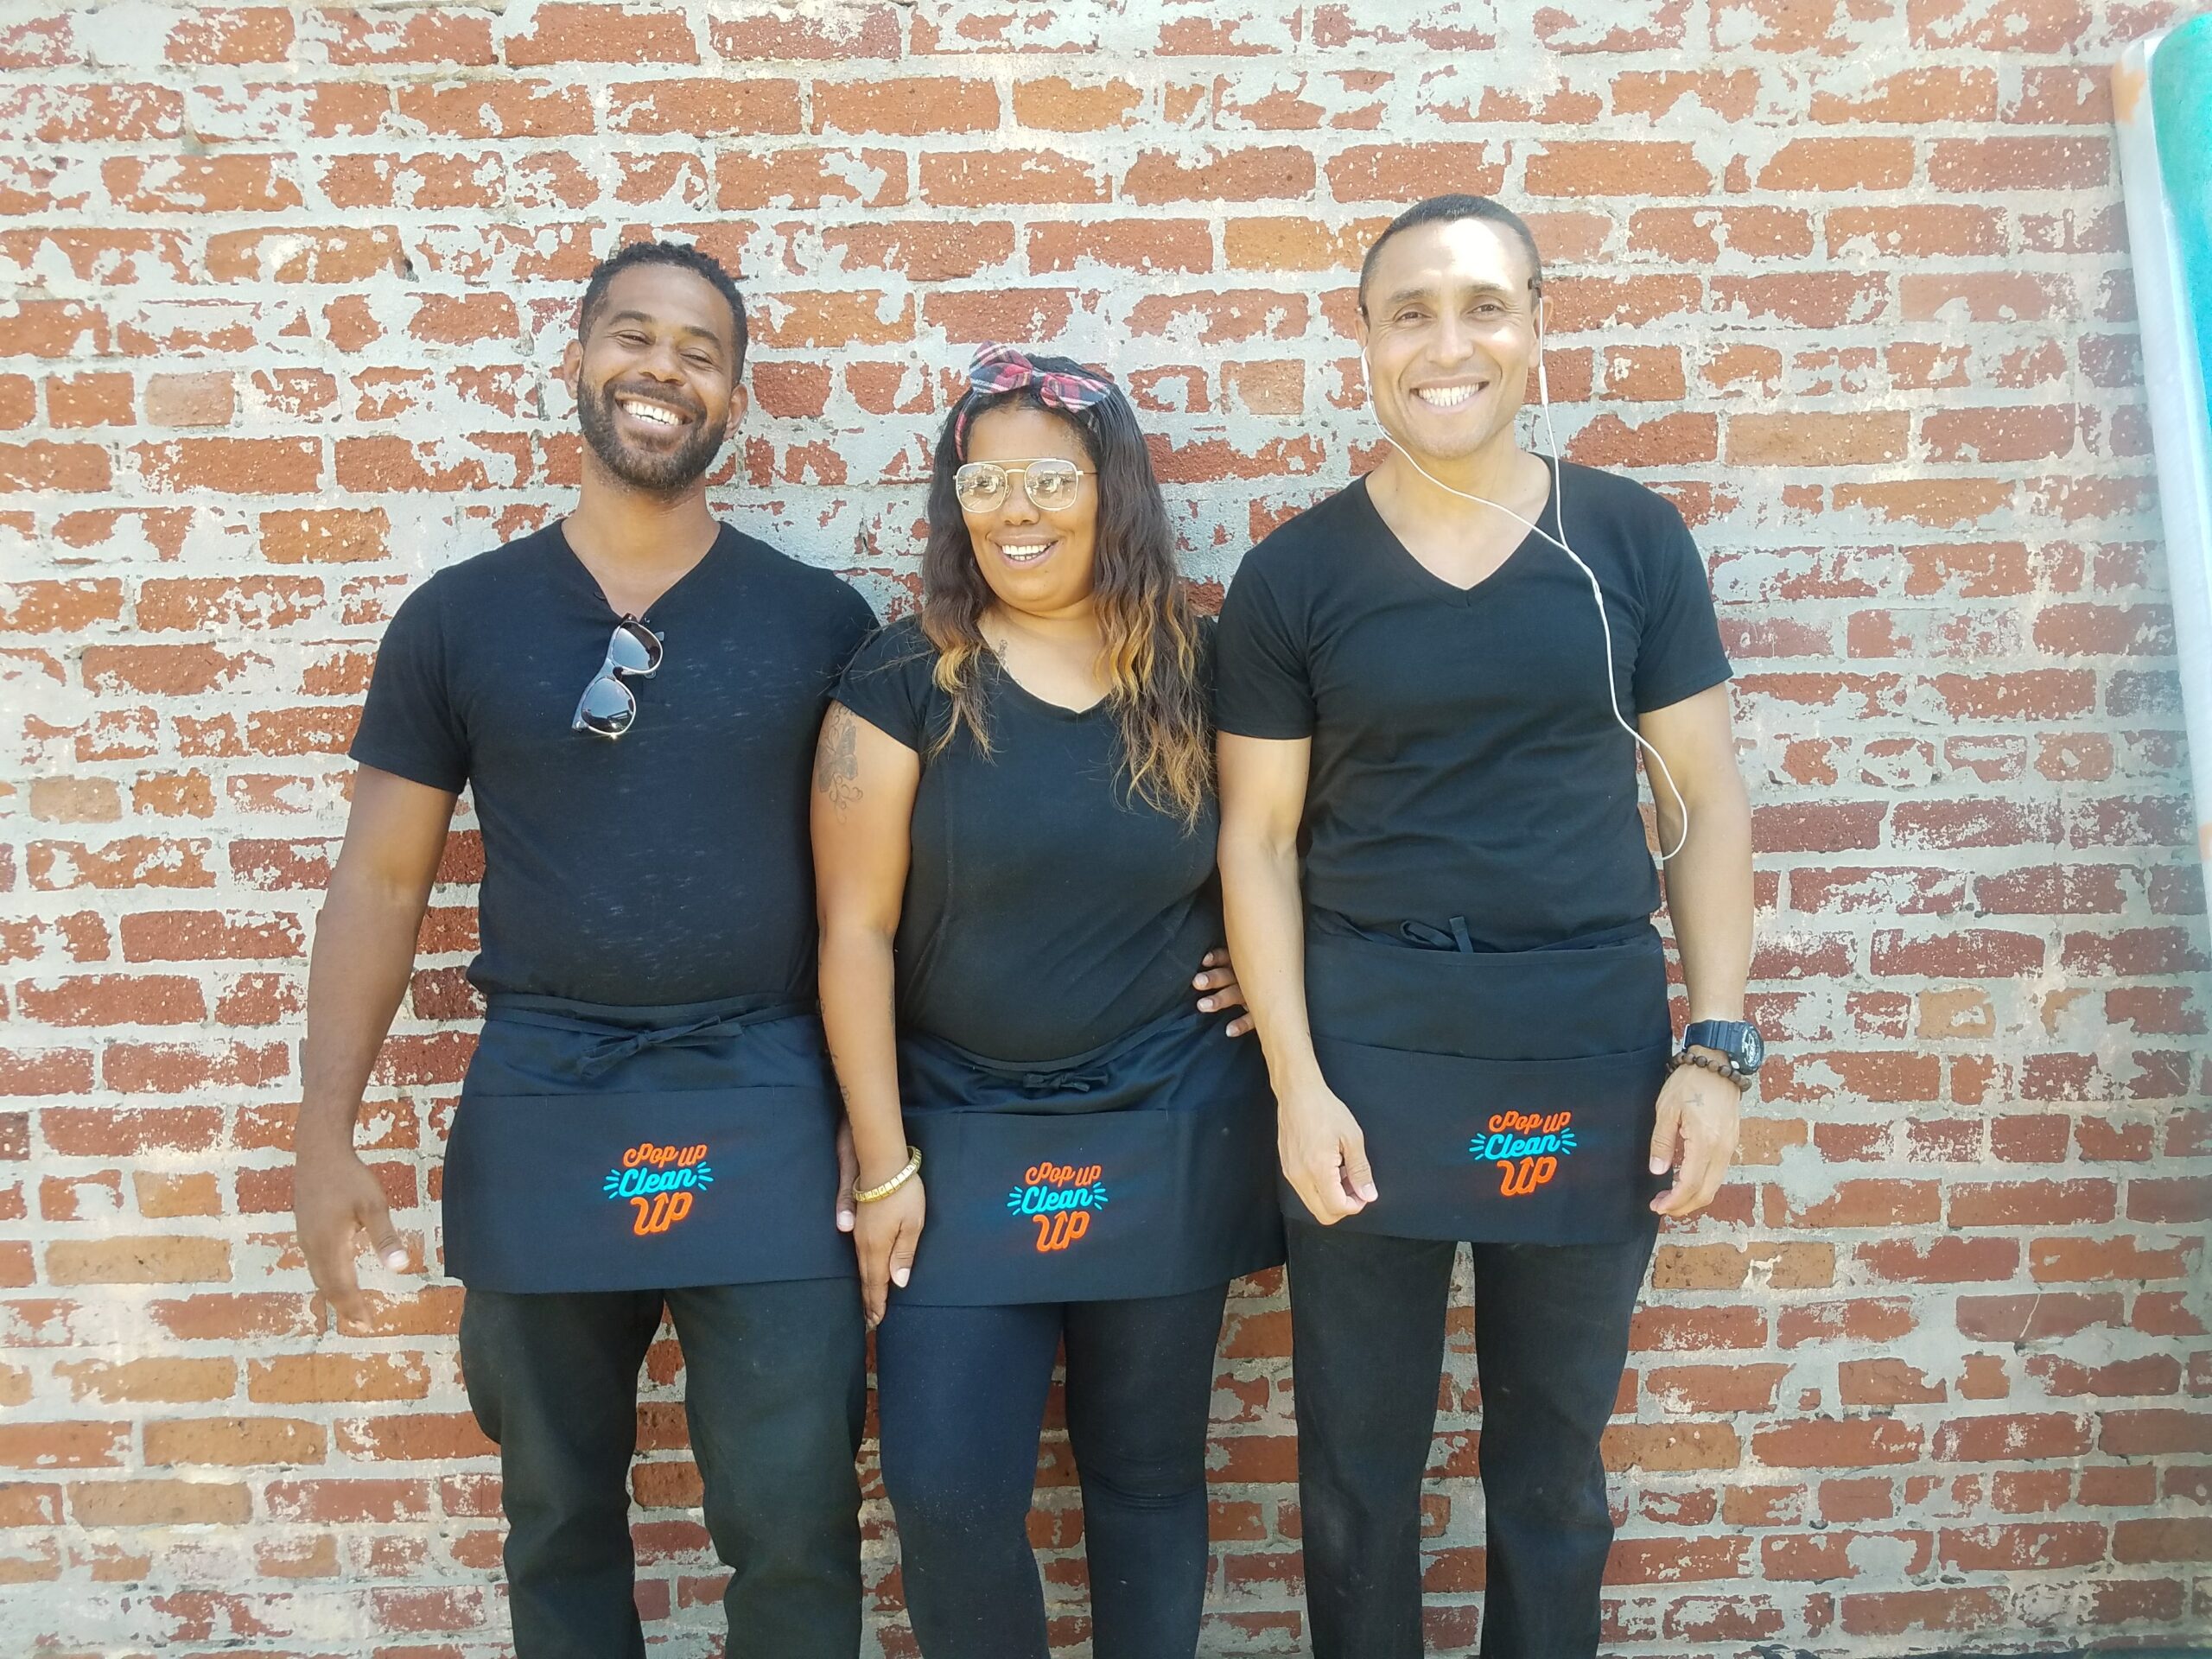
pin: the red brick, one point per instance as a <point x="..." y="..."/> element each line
<point x="1140" y="244"/>
<point x="909" y="106"/>
<point x="1818" y="440"/>
<point x="1057" y="104"/>
<point x="43" y="465"/>
<point x="1850" y="1443"/>
<point x="1940" y="1260"/>
<point x="148" y="1260"/>
<point x="1598" y="168"/>
<point x="189" y="400"/>
<point x="160" y="1504"/>
<point x="1838" y="164"/>
<point x="1970" y="165"/>
<point x="704" y="107"/>
<point x="868" y="28"/>
<point x="2024" y="26"/>
<point x="207" y="183"/>
<point x="233" y="1441"/>
<point x="1255" y="174"/>
<point x="814" y="178"/>
<point x="337" y="255"/>
<point x="232" y="466"/>
<point x="2172" y="1538"/>
<point x="1400" y="173"/>
<point x="2043" y="1315"/>
<point x="501" y="109"/>
<point x="112" y="999"/>
<point x="563" y="33"/>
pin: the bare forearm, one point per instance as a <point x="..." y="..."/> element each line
<point x="1266" y="919"/>
<point x="363" y="951"/>
<point x="1709" y="897"/>
<point x="859" y="1017"/>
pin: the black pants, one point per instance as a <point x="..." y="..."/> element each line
<point x="1367" y="1346"/>
<point x="775" y="1388"/>
<point x="960" y="1397"/>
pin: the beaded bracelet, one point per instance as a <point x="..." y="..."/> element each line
<point x="1706" y="1063"/>
<point x="913" y="1168"/>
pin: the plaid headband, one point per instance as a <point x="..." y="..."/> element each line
<point x="1002" y="368"/>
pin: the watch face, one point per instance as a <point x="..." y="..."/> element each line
<point x="1753" y="1048"/>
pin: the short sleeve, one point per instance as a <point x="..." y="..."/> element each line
<point x="409" y="725"/>
<point x="1679" y="653"/>
<point x="888" y="683"/>
<point x="1262" y="685"/>
<point x="855" y="622"/>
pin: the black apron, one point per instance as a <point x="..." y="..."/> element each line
<point x="1505" y="1095"/>
<point x="599" y="1148"/>
<point x="1144" y="1167"/>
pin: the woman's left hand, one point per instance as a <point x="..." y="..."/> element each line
<point x="1218" y="981"/>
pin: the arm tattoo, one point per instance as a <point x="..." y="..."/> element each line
<point x="837" y="760"/>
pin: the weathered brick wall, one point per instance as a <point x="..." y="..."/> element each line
<point x="1845" y="278"/>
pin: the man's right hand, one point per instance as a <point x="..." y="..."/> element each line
<point x="335" y="1198"/>
<point x="1324" y="1153"/>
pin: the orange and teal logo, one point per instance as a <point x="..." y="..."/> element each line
<point x="1527" y="1147"/>
<point x="1061" y="1199"/>
<point x="660" y="1183"/>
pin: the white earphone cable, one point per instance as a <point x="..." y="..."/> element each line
<point x="1596" y="592"/>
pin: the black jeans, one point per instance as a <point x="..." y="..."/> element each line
<point x="775" y="1385"/>
<point x="1367" y="1347"/>
<point x="960" y="1397"/>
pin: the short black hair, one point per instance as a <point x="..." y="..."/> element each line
<point x="680" y="254"/>
<point x="1443" y="210"/>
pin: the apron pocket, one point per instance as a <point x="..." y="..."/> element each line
<point x="1494" y="1150"/>
<point x="643" y="1191"/>
<point x="1054" y="1207"/>
<point x="1499" y="1004"/>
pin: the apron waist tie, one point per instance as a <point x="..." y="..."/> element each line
<point x="610" y="1043"/>
<point x="1435" y="938"/>
<point x="1070" y="1083"/>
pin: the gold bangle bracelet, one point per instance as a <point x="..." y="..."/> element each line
<point x="913" y="1168"/>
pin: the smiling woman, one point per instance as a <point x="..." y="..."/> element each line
<point x="1013" y="835"/>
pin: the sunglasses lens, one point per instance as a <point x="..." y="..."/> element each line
<point x="979" y="484"/>
<point x="634" y="649"/>
<point x="607" y="708"/>
<point x="1053" y="483"/>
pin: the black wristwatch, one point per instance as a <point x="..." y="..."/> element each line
<point x="1738" y="1043"/>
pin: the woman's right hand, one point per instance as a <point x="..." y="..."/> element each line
<point x="1324" y="1152"/>
<point x="885" y="1232"/>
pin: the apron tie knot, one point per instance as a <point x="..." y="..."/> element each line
<point x="608" y="1052"/>
<point x="1435" y="938"/>
<point x="1069" y="1082"/>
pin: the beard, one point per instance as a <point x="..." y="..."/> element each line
<point x="661" y="471"/>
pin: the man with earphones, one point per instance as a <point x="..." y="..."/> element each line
<point x="1433" y="690"/>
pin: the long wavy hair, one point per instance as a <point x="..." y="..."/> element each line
<point x="1150" y="651"/>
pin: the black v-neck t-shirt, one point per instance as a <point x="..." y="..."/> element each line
<point x="1045" y="913"/>
<point x="672" y="864"/>
<point x="1466" y="761"/>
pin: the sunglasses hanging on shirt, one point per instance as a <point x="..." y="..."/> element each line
<point x="608" y="707"/>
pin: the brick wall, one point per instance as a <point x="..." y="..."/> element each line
<point x="1845" y="278"/>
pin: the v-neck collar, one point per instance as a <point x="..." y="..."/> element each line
<point x="1546" y="517"/>
<point x="1061" y="710"/>
<point x="560" y="539"/>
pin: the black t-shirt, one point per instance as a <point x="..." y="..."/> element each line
<point x="1047" y="913"/>
<point x="1466" y="761"/>
<point x="672" y="864"/>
